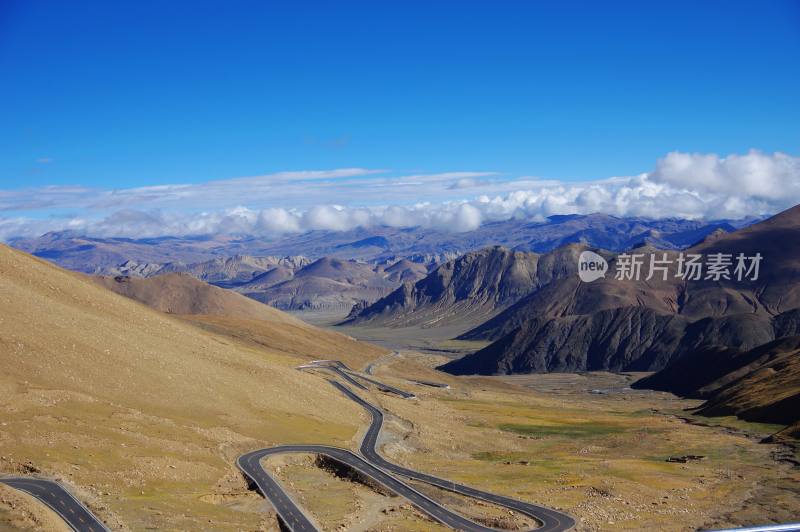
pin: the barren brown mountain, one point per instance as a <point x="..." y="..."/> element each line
<point x="642" y="324"/>
<point x="762" y="384"/>
<point x="469" y="289"/>
<point x="329" y="284"/>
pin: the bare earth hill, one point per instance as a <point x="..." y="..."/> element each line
<point x="180" y="293"/>
<point x="330" y="284"/>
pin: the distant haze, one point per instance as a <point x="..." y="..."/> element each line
<point x="682" y="185"/>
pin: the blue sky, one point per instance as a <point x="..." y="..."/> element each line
<point x="120" y="95"/>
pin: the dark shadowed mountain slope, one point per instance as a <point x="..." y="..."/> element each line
<point x="760" y="384"/>
<point x="705" y="371"/>
<point x="776" y="290"/>
<point x="566" y="295"/>
<point x="623" y="325"/>
<point x="621" y="339"/>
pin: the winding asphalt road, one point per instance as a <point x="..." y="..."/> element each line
<point x="347" y="374"/>
<point x="551" y="520"/>
<point x="371" y="464"/>
<point x="381" y="385"/>
<point x="432" y="384"/>
<point x="52" y="494"/>
<point x="297" y="521"/>
<point x="341" y="369"/>
<point x="333" y="369"/>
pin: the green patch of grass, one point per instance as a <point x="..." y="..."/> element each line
<point x="645" y="412"/>
<point x="462" y="345"/>
<point x="736" y="423"/>
<point x="498" y="456"/>
<point x="578" y="430"/>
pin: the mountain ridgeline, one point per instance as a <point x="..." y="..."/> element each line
<point x="288" y="283"/>
<point x="469" y="289"/>
<point x="100" y="256"/>
<point x="643" y="325"/>
<point x="281" y="271"/>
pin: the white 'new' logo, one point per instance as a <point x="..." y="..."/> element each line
<point x="591" y="266"/>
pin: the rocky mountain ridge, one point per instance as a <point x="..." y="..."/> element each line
<point x="621" y="325"/>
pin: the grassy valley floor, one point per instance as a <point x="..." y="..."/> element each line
<point x="613" y="457"/>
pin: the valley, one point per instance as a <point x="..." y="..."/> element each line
<point x="399" y="266"/>
<point x="137" y="391"/>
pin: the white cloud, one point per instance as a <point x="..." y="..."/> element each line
<point x="682" y="185"/>
<point x="755" y="174"/>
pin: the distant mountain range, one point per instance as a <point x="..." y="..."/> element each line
<point x="288" y="283"/>
<point x="329" y="284"/>
<point x="337" y="271"/>
<point x="380" y="244"/>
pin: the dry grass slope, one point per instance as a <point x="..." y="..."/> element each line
<point x="141" y="413"/>
<point x="237" y="317"/>
<point x="180" y="293"/>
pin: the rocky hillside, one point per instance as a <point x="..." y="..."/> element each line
<point x="291" y="282"/>
<point x="612" y="324"/>
<point x="775" y="291"/>
<point x="470" y="289"/>
<point x="760" y="384"/>
<point x="238" y="268"/>
<point x="622" y="339"/>
<point x="224" y="271"/>
<point x="329" y="284"/>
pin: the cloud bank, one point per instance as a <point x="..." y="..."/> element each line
<point x="685" y="185"/>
